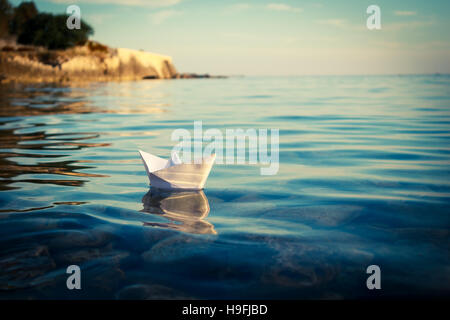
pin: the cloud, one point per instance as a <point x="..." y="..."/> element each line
<point x="161" y="16"/>
<point x="146" y="3"/>
<point x="282" y="7"/>
<point x="405" y="13"/>
<point x="240" y="6"/>
<point x="407" y="25"/>
<point x="340" y="23"/>
<point x="317" y="5"/>
<point x="98" y="18"/>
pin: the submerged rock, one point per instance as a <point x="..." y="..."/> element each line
<point x="18" y="269"/>
<point x="149" y="292"/>
<point x="175" y="248"/>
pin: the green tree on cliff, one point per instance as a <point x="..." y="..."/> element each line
<point x="24" y="12"/>
<point x="50" y="31"/>
<point x="6" y="14"/>
<point x="40" y="29"/>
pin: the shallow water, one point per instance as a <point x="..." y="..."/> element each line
<point x="363" y="179"/>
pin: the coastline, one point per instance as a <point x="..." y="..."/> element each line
<point x="91" y="62"/>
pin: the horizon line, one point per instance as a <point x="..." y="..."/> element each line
<point x="326" y="75"/>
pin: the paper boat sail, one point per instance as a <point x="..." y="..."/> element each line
<point x="173" y="174"/>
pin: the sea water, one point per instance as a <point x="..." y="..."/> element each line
<point x="363" y="179"/>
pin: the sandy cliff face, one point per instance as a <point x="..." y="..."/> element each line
<point x="92" y="62"/>
<point x="159" y="63"/>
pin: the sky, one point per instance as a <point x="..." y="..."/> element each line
<point x="257" y="37"/>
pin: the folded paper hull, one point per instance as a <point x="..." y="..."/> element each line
<point x="186" y="176"/>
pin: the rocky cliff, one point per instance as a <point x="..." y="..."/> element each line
<point x="91" y="62"/>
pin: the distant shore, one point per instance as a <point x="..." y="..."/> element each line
<point x="90" y="62"/>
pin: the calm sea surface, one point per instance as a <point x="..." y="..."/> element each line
<point x="364" y="179"/>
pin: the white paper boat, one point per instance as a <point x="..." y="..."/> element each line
<point x="173" y="174"/>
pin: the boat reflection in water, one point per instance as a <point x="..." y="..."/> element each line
<point x="186" y="210"/>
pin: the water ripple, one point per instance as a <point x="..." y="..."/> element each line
<point x="364" y="179"/>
